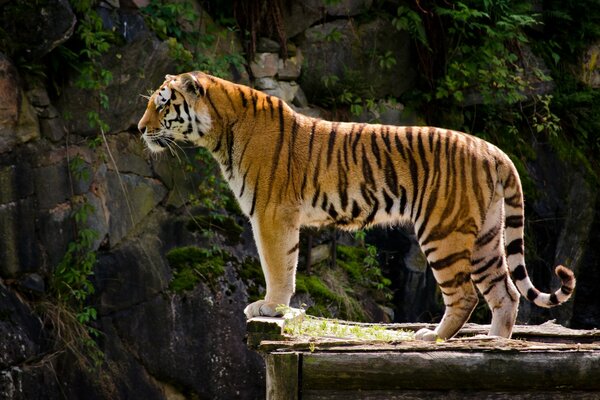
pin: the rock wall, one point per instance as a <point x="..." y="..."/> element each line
<point x="163" y="344"/>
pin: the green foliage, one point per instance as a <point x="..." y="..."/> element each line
<point x="216" y="223"/>
<point x="192" y="265"/>
<point x="313" y="327"/>
<point x="483" y="41"/>
<point x="208" y="48"/>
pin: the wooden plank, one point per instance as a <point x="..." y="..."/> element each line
<point x="446" y="395"/>
<point x="282" y="376"/>
<point x="449" y="370"/>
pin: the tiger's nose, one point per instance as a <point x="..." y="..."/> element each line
<point x="141" y="126"/>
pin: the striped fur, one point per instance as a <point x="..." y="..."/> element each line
<point x="462" y="194"/>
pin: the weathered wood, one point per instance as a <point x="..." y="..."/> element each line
<point x="446" y="395"/>
<point x="447" y="370"/>
<point x="282" y="376"/>
<point x="548" y="361"/>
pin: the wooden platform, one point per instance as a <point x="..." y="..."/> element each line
<point x="540" y="362"/>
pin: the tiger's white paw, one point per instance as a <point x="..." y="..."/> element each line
<point x="262" y="308"/>
<point x="426" y="335"/>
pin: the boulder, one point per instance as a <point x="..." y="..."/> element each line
<point x="344" y="49"/>
<point x="18" y="120"/>
<point x="195" y="341"/>
<point x="18" y="248"/>
<point x="300" y="15"/>
<point x="264" y="65"/>
<point x="131" y="80"/>
<point x="37" y="27"/>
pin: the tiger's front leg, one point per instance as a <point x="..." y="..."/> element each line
<point x="277" y="239"/>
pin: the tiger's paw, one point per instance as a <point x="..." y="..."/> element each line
<point x="262" y="308"/>
<point x="426" y="335"/>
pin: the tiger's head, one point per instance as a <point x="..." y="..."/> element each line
<point x="177" y="112"/>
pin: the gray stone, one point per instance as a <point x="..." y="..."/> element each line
<point x="52" y="129"/>
<point x="55" y="230"/>
<point x="266" y="45"/>
<point x="130" y="199"/>
<point x="265" y="83"/>
<point x="33" y="284"/>
<point x="290" y="68"/>
<point x="300" y="100"/>
<point x="16" y="181"/>
<point x="18" y="119"/>
<point x="52" y="185"/>
<point x="284" y="90"/>
<point x="300" y="15"/>
<point x="181" y="183"/>
<point x="344" y="49"/>
<point x="38" y="28"/>
<point x="10" y="93"/>
<point x="128" y="152"/>
<point x="264" y="65"/>
<point x="348" y="8"/>
<point x="195" y="341"/>
<point x="130" y="81"/>
<point x="18" y="248"/>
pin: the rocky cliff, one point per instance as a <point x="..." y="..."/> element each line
<point x="169" y="261"/>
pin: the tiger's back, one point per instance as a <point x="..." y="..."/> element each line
<point x="462" y="194"/>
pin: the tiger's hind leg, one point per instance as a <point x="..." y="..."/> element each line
<point x="490" y="273"/>
<point x="451" y="270"/>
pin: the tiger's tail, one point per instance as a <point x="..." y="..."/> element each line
<point x="515" y="250"/>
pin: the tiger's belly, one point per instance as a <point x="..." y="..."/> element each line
<point x="352" y="217"/>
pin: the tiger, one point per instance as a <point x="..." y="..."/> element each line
<point x="462" y="195"/>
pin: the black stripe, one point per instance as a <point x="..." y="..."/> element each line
<point x="255" y="194"/>
<point x="342" y="184"/>
<point x="450" y="260"/>
<point x="566" y="290"/>
<point x="389" y="202"/>
<point x="403" y="200"/>
<point x="515" y="247"/>
<point x="355" y="210"/>
<point x="332" y="212"/>
<point x="488" y="264"/>
<point x="244" y="183"/>
<point x="519" y="273"/>
<point x="554" y="299"/>
<point x="209" y="98"/>
<point x="367" y="169"/>
<point x="488" y="236"/>
<point x="375" y="149"/>
<point x="271" y="108"/>
<point x="391" y="178"/>
<point x="458" y="280"/>
<point x="278" y="148"/>
<point x="386" y="138"/>
<point x="374" y="210"/>
<point x="316" y="197"/>
<point x="514" y="221"/>
<point x="492" y="283"/>
<point x="294" y="249"/>
<point x="331" y="143"/>
<point x="356" y="140"/>
<point x="425" y="167"/>
<point x="242" y="97"/>
<point x="325" y="202"/>
<point x="399" y="146"/>
<point x="532" y="294"/>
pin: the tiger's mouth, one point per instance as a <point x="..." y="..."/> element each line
<point x="155" y="142"/>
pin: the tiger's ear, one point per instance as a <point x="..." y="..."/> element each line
<point x="192" y="85"/>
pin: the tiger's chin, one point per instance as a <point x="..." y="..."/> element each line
<point x="155" y="144"/>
